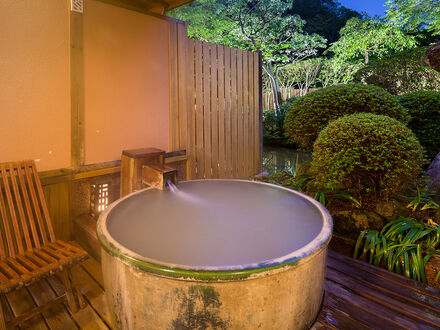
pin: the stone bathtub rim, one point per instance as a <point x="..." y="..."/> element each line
<point x="212" y="273"/>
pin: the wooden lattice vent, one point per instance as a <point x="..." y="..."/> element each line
<point x="99" y="197"/>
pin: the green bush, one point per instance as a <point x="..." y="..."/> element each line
<point x="424" y="109"/>
<point x="309" y="114"/>
<point x="400" y="73"/>
<point x="273" y="126"/>
<point x="371" y="156"/>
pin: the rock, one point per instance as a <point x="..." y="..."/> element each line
<point x="433" y="172"/>
<point x="391" y="210"/>
<point x="436" y="217"/>
<point x="433" y="57"/>
<point x="432" y="267"/>
<point x="261" y="175"/>
<point x="351" y="223"/>
<point x="367" y="219"/>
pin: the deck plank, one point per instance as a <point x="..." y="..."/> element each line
<point x="384" y="298"/>
<point x="393" y="277"/>
<point x="57" y="316"/>
<point x="382" y="283"/>
<point x="85" y="318"/>
<point x="361" y="310"/>
<point x="21" y="302"/>
<point x="94" y="269"/>
<point x="330" y="318"/>
<point x="92" y="292"/>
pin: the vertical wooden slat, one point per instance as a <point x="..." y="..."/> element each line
<point x="11" y="208"/>
<point x="228" y="131"/>
<point x="40" y="195"/>
<point x="214" y="111"/>
<point x="221" y="111"/>
<point x="251" y="147"/>
<point x="191" y="144"/>
<point x="207" y="107"/>
<point x="234" y="141"/>
<point x="174" y="87"/>
<point x="30" y="214"/>
<point x="183" y="84"/>
<point x="5" y="222"/>
<point x="13" y="169"/>
<point x="36" y="205"/>
<point x="246" y="171"/>
<point x="57" y="198"/>
<point x="239" y="118"/>
<point x="256" y="113"/>
<point x="199" y="110"/>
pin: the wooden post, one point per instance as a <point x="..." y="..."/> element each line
<point x="76" y="89"/>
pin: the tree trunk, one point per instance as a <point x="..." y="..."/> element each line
<point x="275" y="87"/>
<point x="367" y="57"/>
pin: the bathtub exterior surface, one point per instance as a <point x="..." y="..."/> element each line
<point x="285" y="298"/>
<point x="285" y="293"/>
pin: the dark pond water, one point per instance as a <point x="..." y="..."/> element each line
<point x="279" y="158"/>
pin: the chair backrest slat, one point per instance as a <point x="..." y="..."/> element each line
<point x="24" y="218"/>
<point x="25" y="190"/>
<point x="7" y="230"/>
<point x="36" y="205"/>
<point x="11" y="208"/>
<point x="48" y="223"/>
<point x="14" y="169"/>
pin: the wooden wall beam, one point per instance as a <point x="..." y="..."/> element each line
<point x="76" y="89"/>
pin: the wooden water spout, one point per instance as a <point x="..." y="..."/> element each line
<point x="156" y="176"/>
<point x="144" y="167"/>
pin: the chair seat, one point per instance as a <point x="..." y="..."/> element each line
<point x="25" y="269"/>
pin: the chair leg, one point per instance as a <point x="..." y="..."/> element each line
<point x="2" y="317"/>
<point x="79" y="295"/>
<point x="69" y="292"/>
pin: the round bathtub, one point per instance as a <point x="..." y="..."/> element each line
<point x="220" y="254"/>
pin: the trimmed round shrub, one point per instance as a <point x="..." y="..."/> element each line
<point x="371" y="156"/>
<point x="309" y="114"/>
<point x="424" y="109"/>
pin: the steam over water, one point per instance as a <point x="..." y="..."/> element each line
<point x="214" y="223"/>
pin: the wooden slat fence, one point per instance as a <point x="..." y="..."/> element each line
<point x="285" y="94"/>
<point x="215" y="107"/>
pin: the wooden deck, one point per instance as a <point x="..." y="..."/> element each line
<point x="361" y="296"/>
<point x="358" y="296"/>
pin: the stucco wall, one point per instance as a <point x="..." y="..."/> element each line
<point x="34" y="82"/>
<point x="126" y="81"/>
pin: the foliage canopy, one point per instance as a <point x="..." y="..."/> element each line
<point x="413" y="15"/>
<point x="263" y="25"/>
<point x="362" y="38"/>
<point x="400" y="73"/>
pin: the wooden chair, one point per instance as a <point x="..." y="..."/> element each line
<point x="29" y="250"/>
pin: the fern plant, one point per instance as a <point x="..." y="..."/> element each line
<point x="325" y="197"/>
<point x="421" y="201"/>
<point x="404" y="246"/>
